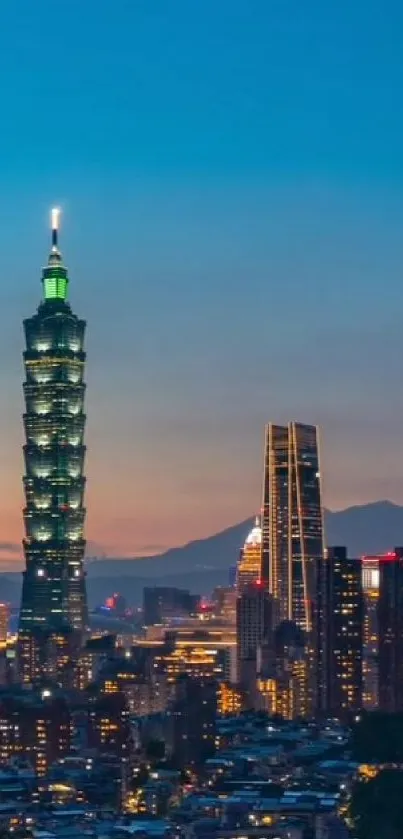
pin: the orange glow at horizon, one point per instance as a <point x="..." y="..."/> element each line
<point x="145" y="495"/>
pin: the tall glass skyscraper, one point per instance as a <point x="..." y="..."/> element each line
<point x="292" y="521"/>
<point x="54" y="594"/>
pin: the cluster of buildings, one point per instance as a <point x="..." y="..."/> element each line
<point x="168" y="733"/>
<point x="318" y="632"/>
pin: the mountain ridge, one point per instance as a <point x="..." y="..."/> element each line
<point x="203" y="564"/>
<point x="336" y="524"/>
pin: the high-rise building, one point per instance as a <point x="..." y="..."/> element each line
<point x="292" y="521"/>
<point x="110" y="735"/>
<point x="254" y="629"/>
<point x="370" y="586"/>
<point x="250" y="559"/>
<point x="293" y="695"/>
<point x="292" y="535"/>
<point x="53" y="594"/>
<point x="35" y="726"/>
<point x="340" y="633"/>
<point x="390" y="628"/>
<point x="192" y="717"/>
<point x="4" y="619"/>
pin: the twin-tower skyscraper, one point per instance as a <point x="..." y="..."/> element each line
<point x="54" y="606"/>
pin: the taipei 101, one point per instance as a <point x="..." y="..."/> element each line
<point x="201" y="517"/>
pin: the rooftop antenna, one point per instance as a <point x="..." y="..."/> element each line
<point x="55" y="222"/>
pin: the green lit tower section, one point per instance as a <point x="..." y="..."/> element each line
<point x="53" y="602"/>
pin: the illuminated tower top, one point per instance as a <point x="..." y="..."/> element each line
<point x="54" y="276"/>
<point x="255" y="536"/>
<point x="250" y="559"/>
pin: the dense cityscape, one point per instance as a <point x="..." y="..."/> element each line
<point x="270" y="708"/>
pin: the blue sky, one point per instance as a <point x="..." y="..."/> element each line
<point x="231" y="178"/>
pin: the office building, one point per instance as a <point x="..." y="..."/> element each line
<point x="200" y="662"/>
<point x="340" y="633"/>
<point x="145" y="689"/>
<point x="229" y="700"/>
<point x="35" y="726"/>
<point x="390" y="629"/>
<point x="92" y="658"/>
<point x="195" y="643"/>
<point x="370" y="588"/>
<point x="192" y="716"/>
<point x="292" y="533"/>
<point x="161" y="603"/>
<point x="250" y="559"/>
<point x="4" y="619"/>
<point x="292" y="520"/>
<point x="293" y="698"/>
<point x="110" y="736"/>
<point x="224" y="604"/>
<point x="254" y="629"/>
<point x="53" y="594"/>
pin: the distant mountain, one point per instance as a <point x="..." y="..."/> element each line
<point x="204" y="564"/>
<point x="210" y="554"/>
<point x="371" y="528"/>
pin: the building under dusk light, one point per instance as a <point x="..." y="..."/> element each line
<point x="254" y="628"/>
<point x="370" y="588"/>
<point x="292" y="532"/>
<point x="250" y="559"/>
<point x="292" y="522"/>
<point x="390" y="629"/>
<point x="53" y="594"/>
<point x="4" y="619"/>
<point x="340" y="633"/>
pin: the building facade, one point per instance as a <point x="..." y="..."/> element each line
<point x="109" y="734"/>
<point x="390" y="629"/>
<point x="292" y="537"/>
<point x="292" y="520"/>
<point x="34" y="726"/>
<point x="254" y="629"/>
<point x="4" y="621"/>
<point x="192" y="720"/>
<point x="224" y="604"/>
<point x="250" y="559"/>
<point x="370" y="586"/>
<point x="340" y="633"/>
<point x="160" y="603"/>
<point x="53" y="594"/>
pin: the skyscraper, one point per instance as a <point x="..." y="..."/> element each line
<point x="192" y="719"/>
<point x="53" y="594"/>
<point x="4" y="619"/>
<point x="250" y="559"/>
<point x="292" y="522"/>
<point x="390" y="628"/>
<point x="370" y="586"/>
<point x="340" y="633"/>
<point x="254" y="627"/>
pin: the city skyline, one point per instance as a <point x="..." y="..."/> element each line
<point x="231" y="194"/>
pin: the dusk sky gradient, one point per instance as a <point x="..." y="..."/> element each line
<point x="231" y="178"/>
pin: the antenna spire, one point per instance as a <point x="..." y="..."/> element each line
<point x="55" y="222"/>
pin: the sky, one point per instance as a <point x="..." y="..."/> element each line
<point x="231" y="180"/>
